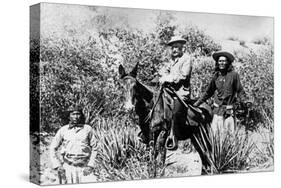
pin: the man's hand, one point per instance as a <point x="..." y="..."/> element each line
<point x="166" y="78"/>
<point x="182" y="93"/>
<point x="228" y="113"/>
<point x="88" y="170"/>
<point x="197" y="103"/>
<point x="60" y="169"/>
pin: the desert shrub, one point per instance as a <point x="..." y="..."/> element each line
<point x="256" y="72"/>
<point x="199" y="42"/>
<point x="165" y="29"/>
<point x="242" y="43"/>
<point x="70" y="73"/>
<point x="262" y="41"/>
<point x="203" y="69"/>
<point x="233" y="38"/>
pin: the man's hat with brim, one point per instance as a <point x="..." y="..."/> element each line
<point x="226" y="54"/>
<point x="175" y="39"/>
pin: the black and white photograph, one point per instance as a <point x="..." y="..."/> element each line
<point x="122" y="94"/>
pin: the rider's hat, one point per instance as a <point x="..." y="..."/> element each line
<point x="175" y="39"/>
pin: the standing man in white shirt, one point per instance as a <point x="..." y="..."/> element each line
<point x="73" y="150"/>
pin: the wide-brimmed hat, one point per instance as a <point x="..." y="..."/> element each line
<point x="176" y="39"/>
<point x="226" y="54"/>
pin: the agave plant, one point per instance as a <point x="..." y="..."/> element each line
<point x="229" y="152"/>
<point x="121" y="154"/>
<point x="264" y="157"/>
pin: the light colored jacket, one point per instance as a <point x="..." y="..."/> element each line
<point x="76" y="144"/>
<point x="177" y="72"/>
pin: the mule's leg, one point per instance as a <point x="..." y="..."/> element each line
<point x="201" y="142"/>
<point x="160" y="147"/>
<point x="152" y="156"/>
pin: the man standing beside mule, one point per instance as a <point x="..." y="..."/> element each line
<point x="227" y="88"/>
<point x="78" y="148"/>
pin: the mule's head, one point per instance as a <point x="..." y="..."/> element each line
<point x="129" y="83"/>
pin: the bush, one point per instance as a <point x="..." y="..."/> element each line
<point x="202" y="73"/>
<point x="262" y="41"/>
<point x="242" y="43"/>
<point x="233" y="38"/>
<point x="256" y="72"/>
<point x="199" y="42"/>
<point x="70" y="73"/>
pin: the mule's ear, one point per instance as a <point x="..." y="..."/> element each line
<point x="122" y="72"/>
<point x="134" y="72"/>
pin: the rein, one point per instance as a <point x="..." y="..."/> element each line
<point x="149" y="115"/>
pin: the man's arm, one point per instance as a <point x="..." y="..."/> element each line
<point x="208" y="93"/>
<point x="164" y="70"/>
<point x="55" y="144"/>
<point x="164" y="74"/>
<point x="94" y="151"/>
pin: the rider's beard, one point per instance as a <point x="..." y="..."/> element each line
<point x="176" y="55"/>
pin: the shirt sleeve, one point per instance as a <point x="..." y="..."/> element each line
<point x="94" y="146"/>
<point x="55" y="144"/>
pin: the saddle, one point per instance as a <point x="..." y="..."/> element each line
<point x="195" y="116"/>
<point x="199" y="115"/>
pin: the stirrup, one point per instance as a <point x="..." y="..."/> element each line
<point x="171" y="143"/>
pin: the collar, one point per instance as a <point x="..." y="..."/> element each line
<point x="70" y="126"/>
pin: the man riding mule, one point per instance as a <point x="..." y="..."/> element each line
<point x="168" y="115"/>
<point x="177" y="71"/>
<point x="148" y="104"/>
<point x="176" y="75"/>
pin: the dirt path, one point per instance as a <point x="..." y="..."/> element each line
<point x="186" y="161"/>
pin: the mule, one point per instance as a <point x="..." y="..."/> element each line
<point x="138" y="97"/>
<point x="154" y="109"/>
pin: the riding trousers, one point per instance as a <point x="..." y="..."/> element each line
<point x="179" y="114"/>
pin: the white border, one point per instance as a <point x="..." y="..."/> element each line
<point x="14" y="73"/>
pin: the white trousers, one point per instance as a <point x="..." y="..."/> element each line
<point x="223" y="126"/>
<point x="75" y="174"/>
